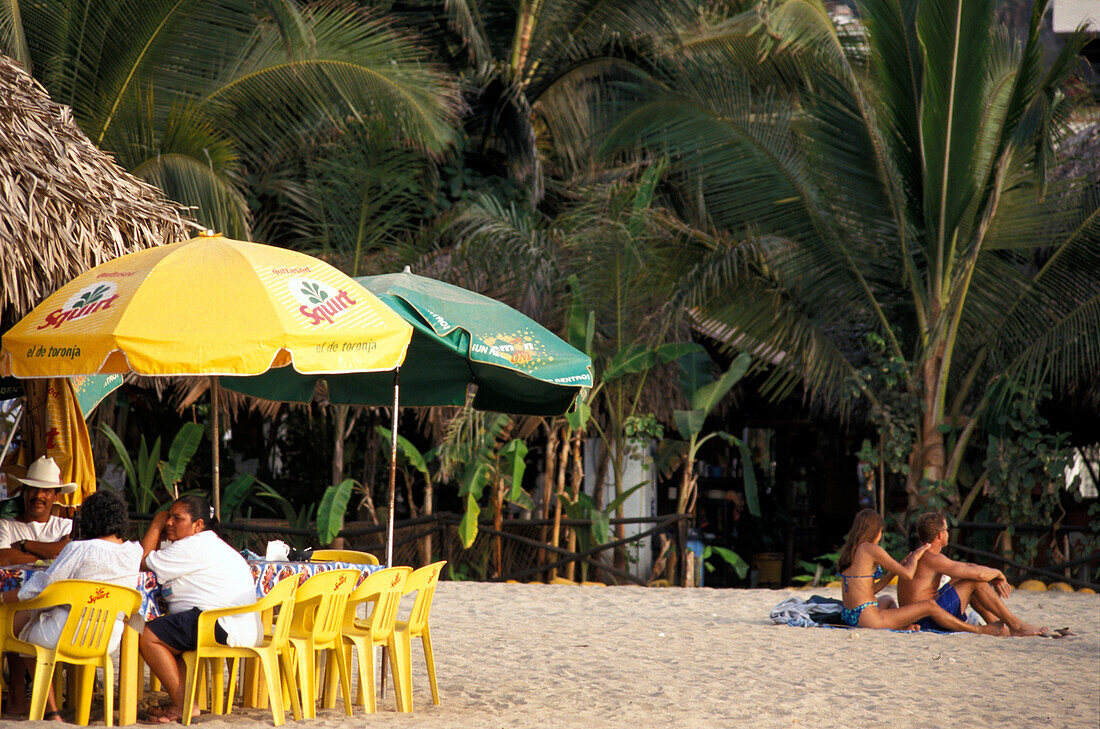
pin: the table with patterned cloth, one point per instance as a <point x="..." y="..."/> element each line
<point x="268" y="573"/>
<point x="12" y="577"/>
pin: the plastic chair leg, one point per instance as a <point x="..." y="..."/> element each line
<point x="399" y="649"/>
<point x="43" y="675"/>
<point x="345" y="677"/>
<point x="429" y="661"/>
<point x="217" y="685"/>
<point x="288" y="689"/>
<point x="108" y="690"/>
<point x="306" y="678"/>
<point x="231" y="692"/>
<point x="270" y="668"/>
<point x="192" y="664"/>
<point x="365" y="655"/>
<point x="83" y="696"/>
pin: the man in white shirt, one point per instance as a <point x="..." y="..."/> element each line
<point x="37" y="533"/>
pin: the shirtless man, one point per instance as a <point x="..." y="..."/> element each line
<point x="983" y="588"/>
<point x="37" y="533"/>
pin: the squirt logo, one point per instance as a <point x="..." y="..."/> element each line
<point x="90" y="299"/>
<point x="319" y="302"/>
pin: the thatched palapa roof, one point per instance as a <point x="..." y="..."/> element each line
<point x="65" y="206"/>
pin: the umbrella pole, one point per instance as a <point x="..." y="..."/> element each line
<point x="216" y="443"/>
<point x="389" y="528"/>
<point x="393" y="466"/>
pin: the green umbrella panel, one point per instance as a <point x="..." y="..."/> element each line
<point x="459" y="338"/>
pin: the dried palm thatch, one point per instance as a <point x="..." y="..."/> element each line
<point x="65" y="206"/>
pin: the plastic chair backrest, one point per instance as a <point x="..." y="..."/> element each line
<point x="385" y="588"/>
<point x="92" y="612"/>
<point x="423" y="582"/>
<point x="342" y="555"/>
<point x="320" y="601"/>
<point x="282" y="597"/>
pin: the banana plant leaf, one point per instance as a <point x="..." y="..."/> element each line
<point x="459" y="338"/>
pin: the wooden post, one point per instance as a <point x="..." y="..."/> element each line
<point x="215" y="386"/>
<point x="393" y="466"/>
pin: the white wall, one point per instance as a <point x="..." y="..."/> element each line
<point x="1068" y="14"/>
<point x="637" y="468"/>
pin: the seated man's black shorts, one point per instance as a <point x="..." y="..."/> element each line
<point x="181" y="630"/>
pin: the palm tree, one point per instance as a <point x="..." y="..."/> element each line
<point x="898" y="185"/>
<point x="215" y="102"/>
<point x="525" y="64"/>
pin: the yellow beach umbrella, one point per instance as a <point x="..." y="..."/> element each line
<point x="208" y="306"/>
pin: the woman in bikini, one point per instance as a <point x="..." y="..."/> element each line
<point x="865" y="568"/>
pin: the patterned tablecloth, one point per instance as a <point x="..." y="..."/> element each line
<point x="265" y="573"/>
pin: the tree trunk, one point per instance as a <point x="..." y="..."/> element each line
<point x="929" y="454"/>
<point x="339" y="419"/>
<point x="498" y="522"/>
<point x="426" y="510"/>
<point x="574" y="491"/>
<point x="548" y="484"/>
<point x="559" y="489"/>
<point x="369" y="462"/>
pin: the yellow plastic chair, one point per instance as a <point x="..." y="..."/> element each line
<point x="269" y="654"/>
<point x="422" y="582"/>
<point x="318" y="617"/>
<point x="85" y="640"/>
<point x="384" y="588"/>
<point x="342" y="555"/>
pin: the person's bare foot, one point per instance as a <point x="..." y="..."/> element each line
<point x="997" y="628"/>
<point x="167" y="715"/>
<point x="53" y="715"/>
<point x="1023" y="629"/>
<point x="913" y="626"/>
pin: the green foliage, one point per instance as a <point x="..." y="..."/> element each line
<point x="599" y="531"/>
<point x="832" y="195"/>
<point x="823" y="566"/>
<point x="235" y="494"/>
<point x="218" y="104"/>
<point x="141" y="476"/>
<point x="895" y="408"/>
<point x="1025" y="464"/>
<point x="740" y="566"/>
<point x="704" y="393"/>
<point x="476" y="448"/>
<point x="643" y="425"/>
<point x="408" y="455"/>
<point x="183" y="449"/>
<point x="333" y="507"/>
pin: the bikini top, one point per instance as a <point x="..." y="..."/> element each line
<point x="878" y="575"/>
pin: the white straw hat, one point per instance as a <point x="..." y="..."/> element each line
<point x="44" y="474"/>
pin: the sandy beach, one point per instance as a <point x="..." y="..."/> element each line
<point x="563" y="657"/>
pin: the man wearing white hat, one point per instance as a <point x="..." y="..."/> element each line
<point x="37" y="533"/>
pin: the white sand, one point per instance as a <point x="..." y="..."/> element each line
<point x="562" y="657"/>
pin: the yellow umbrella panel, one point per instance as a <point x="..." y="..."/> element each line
<point x="208" y="306"/>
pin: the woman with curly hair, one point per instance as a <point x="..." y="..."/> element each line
<point x="99" y="554"/>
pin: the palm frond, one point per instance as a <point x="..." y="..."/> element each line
<point x="358" y="61"/>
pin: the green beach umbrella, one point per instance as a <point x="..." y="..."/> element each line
<point x="459" y="338"/>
